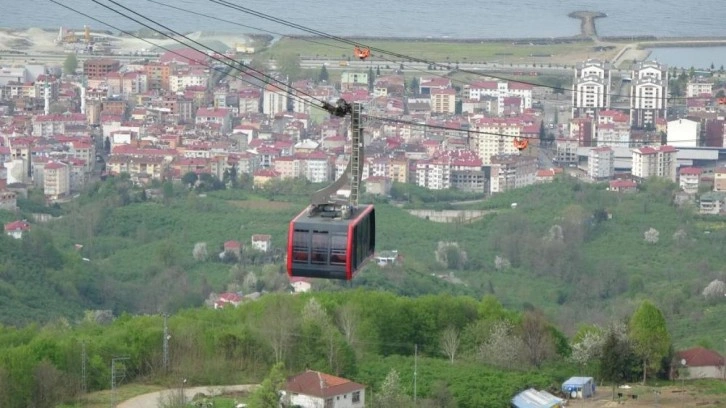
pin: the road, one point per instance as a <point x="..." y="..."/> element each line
<point x="151" y="400"/>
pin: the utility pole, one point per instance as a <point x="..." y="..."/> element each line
<point x="84" y="360"/>
<point x="117" y="375"/>
<point x="166" y="345"/>
<point x="415" y="372"/>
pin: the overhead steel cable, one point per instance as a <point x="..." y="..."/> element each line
<point x="238" y="24"/>
<point x="313" y="31"/>
<point x="291" y="95"/>
<point x="284" y="87"/>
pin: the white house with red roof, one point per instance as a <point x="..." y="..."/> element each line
<point x="313" y="389"/>
<point x="218" y="116"/>
<point x="699" y="363"/>
<point x="262" y="242"/>
<point x="16" y="229"/>
<point x="227" y="299"/>
<point x="623" y="186"/>
<point x="300" y="285"/>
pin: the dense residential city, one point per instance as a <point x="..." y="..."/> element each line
<point x="159" y="119"/>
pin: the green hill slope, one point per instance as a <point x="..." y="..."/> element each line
<point x="575" y="250"/>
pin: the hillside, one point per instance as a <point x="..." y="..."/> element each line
<point x="574" y="250"/>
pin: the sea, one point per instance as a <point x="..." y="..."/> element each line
<point x="435" y="19"/>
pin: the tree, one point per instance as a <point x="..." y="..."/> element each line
<point x="587" y="345"/>
<point x="715" y="290"/>
<point x="70" y="64"/>
<point x="277" y="325"/>
<point x="652" y="236"/>
<point x="536" y="337"/>
<point x="268" y="394"/>
<point x="616" y="360"/>
<point x="371" y="78"/>
<point x="450" y="342"/>
<point x="650" y="337"/>
<point x="289" y="65"/>
<point x="391" y="395"/>
<point x="413" y="86"/>
<point x="323" y="75"/>
<point x="200" y="251"/>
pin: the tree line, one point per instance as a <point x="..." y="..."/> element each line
<point x="361" y="335"/>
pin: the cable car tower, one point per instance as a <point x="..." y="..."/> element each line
<point x="334" y="236"/>
<point x="324" y="200"/>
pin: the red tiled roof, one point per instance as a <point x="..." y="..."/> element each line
<point x="317" y="384"/>
<point x="622" y="184"/>
<point x="232" y="244"/>
<point x="17" y="226"/>
<point x="691" y="171"/>
<point x="700" y="357"/>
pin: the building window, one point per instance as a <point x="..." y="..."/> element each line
<point x="329" y="403"/>
<point x="356" y="397"/>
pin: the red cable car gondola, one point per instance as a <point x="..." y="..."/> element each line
<point x="330" y="247"/>
<point x="521" y="144"/>
<point x="361" y="53"/>
<point x="332" y="239"/>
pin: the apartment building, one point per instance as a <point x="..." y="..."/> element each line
<point x="501" y="90"/>
<point x="56" y="180"/>
<point x="591" y="88"/>
<point x="511" y="172"/>
<point x="655" y="162"/>
<point x="648" y="94"/>
<point x="601" y="163"/>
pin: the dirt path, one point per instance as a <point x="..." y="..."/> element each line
<point x="151" y="400"/>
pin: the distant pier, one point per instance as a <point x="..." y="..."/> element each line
<point x="587" y="22"/>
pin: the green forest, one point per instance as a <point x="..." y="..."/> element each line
<point x="571" y="254"/>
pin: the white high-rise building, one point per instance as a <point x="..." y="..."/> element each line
<point x="648" y="94"/>
<point x="274" y="100"/>
<point x="591" y="88"/>
<point x="601" y="163"/>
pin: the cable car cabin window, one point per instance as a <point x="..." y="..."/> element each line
<point x="337" y="249"/>
<point x="320" y="248"/>
<point x="301" y="246"/>
<point x="361" y="243"/>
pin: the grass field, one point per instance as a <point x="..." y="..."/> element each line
<point x="462" y="52"/>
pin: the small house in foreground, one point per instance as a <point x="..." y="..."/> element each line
<point x="313" y="389"/>
<point x="579" y="387"/>
<point x="700" y="363"/>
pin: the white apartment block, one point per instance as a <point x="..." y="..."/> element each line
<point x="501" y="90"/>
<point x="180" y="81"/>
<point x="434" y="174"/>
<point x="699" y="88"/>
<point x="601" y="163"/>
<point x="591" y="88"/>
<point x="510" y="172"/>
<point x="648" y="93"/>
<point x="274" y="101"/>
<point x="495" y="137"/>
<point x="655" y="162"/>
